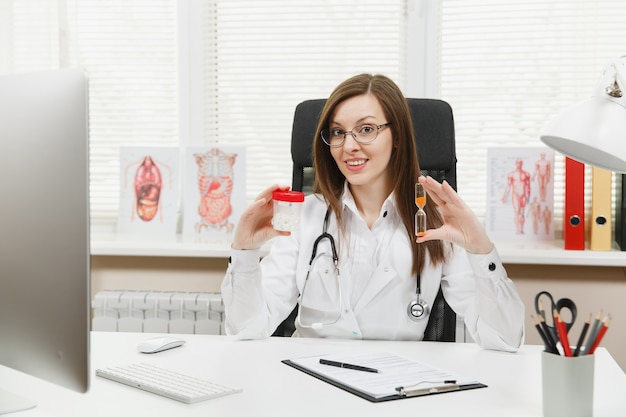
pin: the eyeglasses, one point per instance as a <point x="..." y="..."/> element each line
<point x="365" y="133"/>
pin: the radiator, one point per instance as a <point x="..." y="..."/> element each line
<point x="158" y="312"/>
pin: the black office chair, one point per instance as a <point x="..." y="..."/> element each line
<point x="434" y="136"/>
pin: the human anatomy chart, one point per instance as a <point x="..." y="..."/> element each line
<point x="213" y="192"/>
<point x="520" y="197"/>
<point x="148" y="190"/>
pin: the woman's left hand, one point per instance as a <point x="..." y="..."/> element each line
<point x="460" y="225"/>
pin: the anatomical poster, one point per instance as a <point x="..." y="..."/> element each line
<point x="149" y="187"/>
<point x="214" y="192"/>
<point x="520" y="194"/>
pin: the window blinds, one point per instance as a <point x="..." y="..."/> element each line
<point x="259" y="59"/>
<point x="507" y="68"/>
<point x="129" y="49"/>
<point x="263" y="58"/>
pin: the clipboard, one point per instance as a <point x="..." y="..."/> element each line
<point x="401" y="390"/>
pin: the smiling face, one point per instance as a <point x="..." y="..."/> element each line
<point x="363" y="165"/>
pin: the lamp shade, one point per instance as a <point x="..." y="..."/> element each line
<point x="594" y="130"/>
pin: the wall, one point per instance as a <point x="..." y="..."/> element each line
<point x="592" y="288"/>
<point x="156" y="273"/>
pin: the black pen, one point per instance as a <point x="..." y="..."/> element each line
<point x="548" y="334"/>
<point x="348" y="366"/>
<point x="546" y="341"/>
<point x="583" y="333"/>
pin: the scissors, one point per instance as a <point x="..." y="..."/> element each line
<point x="563" y="304"/>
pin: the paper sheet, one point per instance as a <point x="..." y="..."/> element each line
<point x="394" y="371"/>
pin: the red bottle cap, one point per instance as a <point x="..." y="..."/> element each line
<point x="289" y="196"/>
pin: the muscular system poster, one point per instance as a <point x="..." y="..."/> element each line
<point x="520" y="196"/>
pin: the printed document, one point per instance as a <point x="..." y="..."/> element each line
<point x="395" y="375"/>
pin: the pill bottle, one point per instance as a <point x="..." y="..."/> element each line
<point x="287" y="206"/>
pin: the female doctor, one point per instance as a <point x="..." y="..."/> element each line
<point x="355" y="266"/>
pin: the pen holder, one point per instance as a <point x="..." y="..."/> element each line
<point x="567" y="384"/>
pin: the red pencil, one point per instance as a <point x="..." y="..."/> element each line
<point x="601" y="333"/>
<point x="561" y="330"/>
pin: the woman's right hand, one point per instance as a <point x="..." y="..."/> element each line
<point x="255" y="225"/>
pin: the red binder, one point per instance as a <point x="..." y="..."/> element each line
<point x="574" y="215"/>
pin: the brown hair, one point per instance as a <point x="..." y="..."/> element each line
<point x="403" y="166"/>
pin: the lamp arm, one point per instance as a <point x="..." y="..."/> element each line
<point x="612" y="83"/>
<point x="620" y="72"/>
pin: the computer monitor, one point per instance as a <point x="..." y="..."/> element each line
<point x="44" y="229"/>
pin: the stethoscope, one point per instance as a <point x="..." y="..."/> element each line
<point x="417" y="309"/>
<point x="335" y="257"/>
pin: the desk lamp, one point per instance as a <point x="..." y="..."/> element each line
<point x="594" y="130"/>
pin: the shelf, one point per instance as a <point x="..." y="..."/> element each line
<point x="112" y="244"/>
<point x="552" y="253"/>
<point x="537" y="253"/>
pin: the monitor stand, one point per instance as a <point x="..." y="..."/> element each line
<point x="11" y="403"/>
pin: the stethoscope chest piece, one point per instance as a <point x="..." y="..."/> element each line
<point x="417" y="309"/>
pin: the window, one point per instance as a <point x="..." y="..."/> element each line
<point x="167" y="72"/>
<point x="507" y="68"/>
<point x="129" y="50"/>
<point x="219" y="72"/>
<point x="260" y="59"/>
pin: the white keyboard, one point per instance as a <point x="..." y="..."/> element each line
<point x="167" y="383"/>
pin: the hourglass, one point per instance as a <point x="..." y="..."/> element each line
<point x="420" y="216"/>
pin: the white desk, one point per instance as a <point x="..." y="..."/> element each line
<point x="271" y="388"/>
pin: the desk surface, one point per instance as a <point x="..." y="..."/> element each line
<point x="273" y="388"/>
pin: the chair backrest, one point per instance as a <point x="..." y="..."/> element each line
<point x="434" y="136"/>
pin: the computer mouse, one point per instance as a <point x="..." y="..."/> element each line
<point x="159" y="344"/>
